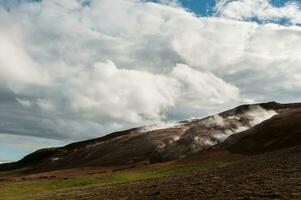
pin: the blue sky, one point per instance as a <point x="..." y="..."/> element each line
<point x="280" y="3"/>
<point x="206" y="7"/>
<point x="7" y="154"/>
<point x="200" y="7"/>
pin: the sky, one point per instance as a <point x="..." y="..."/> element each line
<point x="78" y="69"/>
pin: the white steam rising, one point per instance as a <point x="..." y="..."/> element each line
<point x="258" y="114"/>
<point x="254" y="116"/>
<point x="161" y="125"/>
<point x="196" y="135"/>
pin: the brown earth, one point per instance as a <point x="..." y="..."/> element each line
<point x="275" y="175"/>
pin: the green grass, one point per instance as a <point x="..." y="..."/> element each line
<point x="26" y="189"/>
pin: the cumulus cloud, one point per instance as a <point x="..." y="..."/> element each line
<point x="256" y="58"/>
<point x="15" y="63"/>
<point x="107" y="91"/>
<point x="203" y="89"/>
<point x="82" y="69"/>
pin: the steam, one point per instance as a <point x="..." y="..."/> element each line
<point x="254" y="116"/>
<point x="195" y="135"/>
<point x="212" y="130"/>
<point x="55" y="159"/>
<point x="215" y="120"/>
<point x="161" y="125"/>
<point x="93" y="145"/>
<point x="258" y="114"/>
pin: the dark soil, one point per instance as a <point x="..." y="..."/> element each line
<point x="275" y="175"/>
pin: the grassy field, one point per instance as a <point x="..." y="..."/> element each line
<point x="22" y="190"/>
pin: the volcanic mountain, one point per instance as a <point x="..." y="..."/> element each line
<point x="247" y="129"/>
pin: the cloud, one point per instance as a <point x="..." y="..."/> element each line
<point x="45" y="104"/>
<point x="263" y="10"/>
<point x="258" y="59"/>
<point x="203" y="89"/>
<point x="132" y="95"/>
<point x="81" y="70"/>
<point x="24" y="102"/>
<point x="137" y="96"/>
<point x="16" y="65"/>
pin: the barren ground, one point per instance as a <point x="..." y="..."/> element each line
<point x="274" y="175"/>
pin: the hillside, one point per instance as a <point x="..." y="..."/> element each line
<point x="154" y="144"/>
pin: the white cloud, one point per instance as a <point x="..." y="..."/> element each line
<point x="132" y="95"/>
<point x="204" y="89"/>
<point x="136" y="96"/>
<point x="261" y="9"/>
<point x="258" y="59"/>
<point x="16" y="66"/>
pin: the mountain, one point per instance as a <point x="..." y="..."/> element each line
<point x="247" y="129"/>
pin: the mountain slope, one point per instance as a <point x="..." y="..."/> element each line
<point x="281" y="131"/>
<point x="152" y="145"/>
